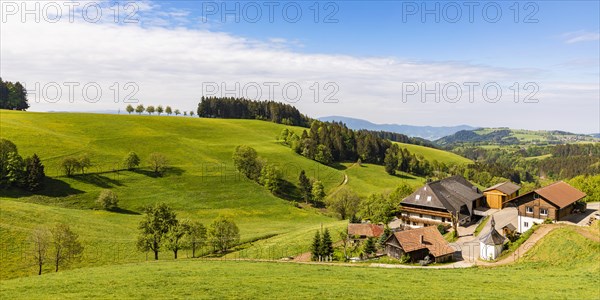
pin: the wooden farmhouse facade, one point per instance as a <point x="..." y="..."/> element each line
<point x="554" y="202"/>
<point x="499" y="195"/>
<point x="437" y="201"/>
<point x="419" y="243"/>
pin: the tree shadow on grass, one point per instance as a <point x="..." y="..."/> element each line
<point x="288" y="191"/>
<point x="403" y="176"/>
<point x="169" y="171"/>
<point x="97" y="180"/>
<point x="51" y="188"/>
<point x="124" y="211"/>
<point x="338" y="166"/>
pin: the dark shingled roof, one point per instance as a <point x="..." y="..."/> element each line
<point x="451" y="194"/>
<point x="510" y="227"/>
<point x="506" y="187"/>
<point x="492" y="237"/>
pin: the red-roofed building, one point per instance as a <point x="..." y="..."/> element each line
<point x="418" y="243"/>
<point x="364" y="230"/>
<point x="554" y="202"/>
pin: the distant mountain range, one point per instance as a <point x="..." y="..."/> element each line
<point x="427" y="132"/>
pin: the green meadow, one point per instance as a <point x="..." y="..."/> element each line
<point x="200" y="184"/>
<point x="563" y="265"/>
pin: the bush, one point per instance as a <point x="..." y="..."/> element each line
<point x="108" y="200"/>
<point x="442" y="229"/>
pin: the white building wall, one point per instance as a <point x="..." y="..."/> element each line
<point x="489" y="252"/>
<point x="525" y="223"/>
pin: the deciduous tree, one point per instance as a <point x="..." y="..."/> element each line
<point x="223" y="234"/>
<point x="318" y="191"/>
<point x="174" y="239"/>
<point x="140" y="109"/>
<point x="40" y="243"/>
<point x="65" y="245"/>
<point x="158" y="220"/>
<point x="246" y="161"/>
<point x="195" y="235"/>
<point x="108" y="200"/>
<point x="158" y="163"/>
<point x="344" y="202"/>
<point x="69" y="165"/>
<point x="150" y="109"/>
<point x="270" y="177"/>
<point x="132" y="161"/>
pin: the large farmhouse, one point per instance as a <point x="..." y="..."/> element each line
<point x="554" y="202"/>
<point x="434" y="203"/>
<point x="418" y="243"/>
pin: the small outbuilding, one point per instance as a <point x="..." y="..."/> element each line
<point x="498" y="195"/>
<point x="491" y="244"/>
<point x="362" y="231"/>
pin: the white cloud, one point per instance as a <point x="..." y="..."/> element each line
<point x="580" y="36"/>
<point x="170" y="65"/>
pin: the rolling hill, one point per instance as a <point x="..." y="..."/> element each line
<point x="426" y="132"/>
<point x="506" y="136"/>
<point x="200" y="184"/>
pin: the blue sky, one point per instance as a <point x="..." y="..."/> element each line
<point x="371" y="54"/>
<point x="376" y="28"/>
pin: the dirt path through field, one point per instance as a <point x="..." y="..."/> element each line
<point x="533" y="239"/>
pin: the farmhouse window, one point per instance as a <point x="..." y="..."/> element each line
<point x="543" y="211"/>
<point x="529" y="209"/>
<point x="526" y="224"/>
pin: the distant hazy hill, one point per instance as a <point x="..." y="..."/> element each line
<point x="506" y="136"/>
<point x="427" y="132"/>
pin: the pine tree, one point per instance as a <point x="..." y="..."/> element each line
<point x="326" y="245"/>
<point x="316" y="247"/>
<point x="305" y="186"/>
<point x="369" y="247"/>
<point x="34" y="172"/>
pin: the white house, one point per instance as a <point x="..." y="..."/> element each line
<point x="490" y="244"/>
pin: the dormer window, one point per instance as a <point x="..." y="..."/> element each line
<point x="417" y="197"/>
<point x="428" y="198"/>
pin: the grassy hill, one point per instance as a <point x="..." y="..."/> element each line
<point x="436" y="154"/>
<point x="201" y="183"/>
<point x="563" y="265"/>
<point x="506" y="136"/>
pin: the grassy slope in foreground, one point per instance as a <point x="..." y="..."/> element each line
<point x="563" y="265"/>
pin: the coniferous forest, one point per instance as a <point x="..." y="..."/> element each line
<point x="13" y="96"/>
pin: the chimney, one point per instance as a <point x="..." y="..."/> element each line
<point x="421" y="237"/>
